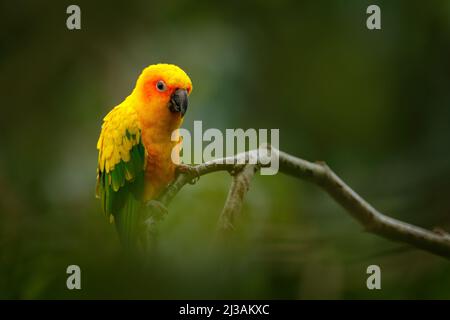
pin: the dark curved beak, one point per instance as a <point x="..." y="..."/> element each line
<point x="179" y="101"/>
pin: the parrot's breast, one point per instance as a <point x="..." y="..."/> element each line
<point x="160" y="167"/>
<point x="159" y="170"/>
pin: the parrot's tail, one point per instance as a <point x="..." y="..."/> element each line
<point x="130" y="223"/>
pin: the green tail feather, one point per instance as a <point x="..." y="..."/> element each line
<point x="122" y="197"/>
<point x="129" y="210"/>
<point x="129" y="222"/>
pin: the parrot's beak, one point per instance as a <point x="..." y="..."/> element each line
<point x="179" y="101"/>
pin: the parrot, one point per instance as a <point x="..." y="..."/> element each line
<point x="135" y="148"/>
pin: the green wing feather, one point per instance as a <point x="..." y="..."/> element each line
<point x="122" y="198"/>
<point x="120" y="179"/>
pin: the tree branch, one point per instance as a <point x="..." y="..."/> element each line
<point x="233" y="205"/>
<point x="437" y="242"/>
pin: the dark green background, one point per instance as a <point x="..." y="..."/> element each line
<point x="374" y="104"/>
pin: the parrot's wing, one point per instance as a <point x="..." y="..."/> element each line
<point x="121" y="170"/>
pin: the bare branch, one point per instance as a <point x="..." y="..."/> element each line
<point x="320" y="174"/>
<point x="229" y="164"/>
<point x="233" y="205"/>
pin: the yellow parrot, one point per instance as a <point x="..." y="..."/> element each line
<point x="135" y="147"/>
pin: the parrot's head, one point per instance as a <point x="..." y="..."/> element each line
<point x="163" y="91"/>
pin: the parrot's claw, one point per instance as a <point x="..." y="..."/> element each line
<point x="157" y="210"/>
<point x="189" y="170"/>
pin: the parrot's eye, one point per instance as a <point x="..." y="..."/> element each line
<point x="161" y="86"/>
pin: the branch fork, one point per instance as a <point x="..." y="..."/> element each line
<point x="434" y="241"/>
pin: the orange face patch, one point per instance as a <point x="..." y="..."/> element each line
<point x="151" y="90"/>
<point x="161" y="80"/>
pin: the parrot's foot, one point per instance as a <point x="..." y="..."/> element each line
<point x="157" y="210"/>
<point x="189" y="170"/>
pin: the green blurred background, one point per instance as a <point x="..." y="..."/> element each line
<point x="374" y="104"/>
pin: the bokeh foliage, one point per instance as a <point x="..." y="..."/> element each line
<point x="374" y="104"/>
